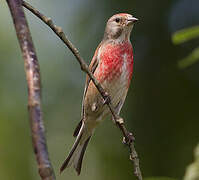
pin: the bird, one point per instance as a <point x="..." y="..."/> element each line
<point x="112" y="66"/>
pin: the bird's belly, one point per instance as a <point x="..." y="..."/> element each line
<point x="114" y="73"/>
<point x="115" y="83"/>
<point x="117" y="88"/>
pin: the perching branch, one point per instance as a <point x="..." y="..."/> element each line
<point x="128" y="137"/>
<point x="34" y="89"/>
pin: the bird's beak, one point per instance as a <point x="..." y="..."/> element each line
<point x="132" y="20"/>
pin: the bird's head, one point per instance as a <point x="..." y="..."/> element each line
<point x="119" y="27"/>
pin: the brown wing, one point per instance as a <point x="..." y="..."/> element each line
<point x="93" y="65"/>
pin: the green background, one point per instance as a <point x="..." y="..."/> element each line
<point x="162" y="107"/>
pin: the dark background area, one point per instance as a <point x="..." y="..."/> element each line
<point x="161" y="109"/>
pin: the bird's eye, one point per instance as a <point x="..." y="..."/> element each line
<point x="117" y="20"/>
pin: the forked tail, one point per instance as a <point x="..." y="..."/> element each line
<point x="76" y="154"/>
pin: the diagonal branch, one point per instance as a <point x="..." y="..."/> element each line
<point x="34" y="89"/>
<point x="128" y="137"/>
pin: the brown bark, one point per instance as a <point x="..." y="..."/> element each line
<point x="34" y="89"/>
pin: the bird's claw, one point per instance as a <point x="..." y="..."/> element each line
<point x="129" y="139"/>
<point x="106" y="99"/>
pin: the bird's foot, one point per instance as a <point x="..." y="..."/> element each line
<point x="129" y="139"/>
<point x="106" y="99"/>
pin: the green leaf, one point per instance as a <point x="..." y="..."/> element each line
<point x="184" y="35"/>
<point x="192" y="171"/>
<point x="189" y="60"/>
<point x="159" y="178"/>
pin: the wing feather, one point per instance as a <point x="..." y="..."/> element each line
<point x="93" y="65"/>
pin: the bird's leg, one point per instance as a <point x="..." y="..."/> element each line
<point x="129" y="139"/>
<point x="106" y="99"/>
<point x="117" y="110"/>
<point x="113" y="119"/>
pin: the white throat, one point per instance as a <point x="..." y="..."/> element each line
<point x="125" y="35"/>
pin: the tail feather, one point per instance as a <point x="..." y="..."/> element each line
<point x="68" y="161"/>
<point x="79" y="163"/>
<point x="77" y="129"/>
<point x="76" y="154"/>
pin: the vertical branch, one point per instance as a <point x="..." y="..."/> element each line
<point x="34" y="89"/>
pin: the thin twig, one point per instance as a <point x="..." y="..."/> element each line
<point x="34" y="89"/>
<point x="128" y="137"/>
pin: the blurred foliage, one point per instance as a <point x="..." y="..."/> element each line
<point x="159" y="178"/>
<point x="190" y="59"/>
<point x="192" y="172"/>
<point x="161" y="108"/>
<point x="184" y="36"/>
